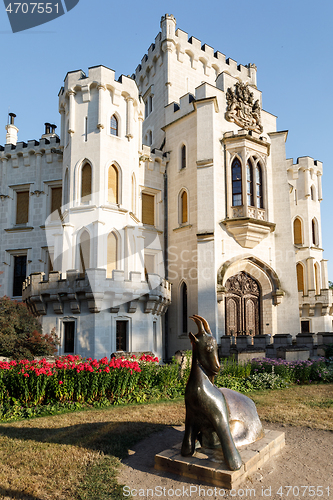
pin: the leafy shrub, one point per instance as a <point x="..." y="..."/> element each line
<point x="261" y="381"/>
<point x="234" y="383"/>
<point x="329" y="351"/>
<point x="21" y="334"/>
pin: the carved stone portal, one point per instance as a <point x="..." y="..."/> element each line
<point x="242" y="305"/>
<point x="241" y="108"/>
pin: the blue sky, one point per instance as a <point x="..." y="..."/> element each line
<point x="289" y="41"/>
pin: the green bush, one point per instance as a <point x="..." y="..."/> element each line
<point x="261" y="381"/>
<point x="21" y="334"/>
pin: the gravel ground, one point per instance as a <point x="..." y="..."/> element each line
<point x="306" y="460"/>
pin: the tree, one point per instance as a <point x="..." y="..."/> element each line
<point x="21" y="335"/>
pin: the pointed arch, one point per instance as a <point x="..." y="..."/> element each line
<point x="315" y="232"/>
<point x="114" y="125"/>
<point x="84" y="251"/>
<point x="113" y="184"/>
<point x="183" y="207"/>
<point x="236" y="179"/>
<point x="112" y="254"/>
<point x="86" y="182"/>
<point x="300" y="277"/>
<point x="298" y="231"/>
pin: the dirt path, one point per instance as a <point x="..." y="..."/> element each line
<point x="306" y="460"/>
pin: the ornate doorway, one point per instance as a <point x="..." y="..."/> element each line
<point x="242" y="305"/>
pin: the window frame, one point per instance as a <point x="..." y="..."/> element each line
<point x="114" y="117"/>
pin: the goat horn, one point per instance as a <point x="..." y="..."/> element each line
<point x="205" y="323"/>
<point x="198" y="322"/>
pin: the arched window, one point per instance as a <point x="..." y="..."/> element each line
<point x="313" y="193"/>
<point x="183" y="157"/>
<point x="314" y="229"/>
<point x="298" y="237"/>
<point x="111" y="254"/>
<point x="236" y="171"/>
<point x="260" y="201"/>
<point x="249" y="183"/>
<point x="113" y="184"/>
<point x="86" y="183"/>
<point x="114" y="125"/>
<point x="183" y="301"/>
<point x="84" y="252"/>
<point x="317" y="278"/>
<point x="183" y="208"/>
<point x="300" y="277"/>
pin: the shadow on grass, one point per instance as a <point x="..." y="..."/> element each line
<point x="111" y="438"/>
<point x="19" y="495"/>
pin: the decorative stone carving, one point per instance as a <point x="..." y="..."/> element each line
<point x="242" y="283"/>
<point x="241" y="108"/>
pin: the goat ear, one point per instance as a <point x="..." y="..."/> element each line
<point x="193" y="338"/>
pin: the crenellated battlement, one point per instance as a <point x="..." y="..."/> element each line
<point x="30" y="147"/>
<point x="179" y="42"/>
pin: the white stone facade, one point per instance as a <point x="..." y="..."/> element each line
<point x="218" y="225"/>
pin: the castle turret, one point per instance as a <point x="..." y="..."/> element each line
<point x="11" y="136"/>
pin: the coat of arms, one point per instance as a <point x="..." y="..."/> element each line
<point x="241" y="108"/>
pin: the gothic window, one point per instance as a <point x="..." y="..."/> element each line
<point x="183" y="309"/>
<point x="114" y="125"/>
<point x="84" y="252"/>
<point x="260" y="202"/>
<point x="111" y="254"/>
<point x="113" y="184"/>
<point x="22" y="207"/>
<point x="249" y="183"/>
<point x="20" y="274"/>
<point x="236" y="170"/>
<point x="183" y="208"/>
<point x="183" y="157"/>
<point x="300" y="277"/>
<point x="298" y="239"/>
<point x="148" y="209"/>
<point x="86" y="183"/>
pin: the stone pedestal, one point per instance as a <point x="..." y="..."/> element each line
<point x="207" y="465"/>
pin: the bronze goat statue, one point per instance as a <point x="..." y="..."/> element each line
<point x="215" y="416"/>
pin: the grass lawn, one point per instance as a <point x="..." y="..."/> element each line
<point x="74" y="456"/>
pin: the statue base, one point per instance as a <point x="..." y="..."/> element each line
<point x="207" y="465"/>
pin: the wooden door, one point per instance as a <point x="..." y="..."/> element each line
<point x="242" y="305"/>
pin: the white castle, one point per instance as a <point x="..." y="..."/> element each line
<point x="167" y="194"/>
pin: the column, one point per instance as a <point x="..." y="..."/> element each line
<point x="320" y="191"/>
<point x="63" y="126"/>
<point x="324" y="274"/>
<point x="71" y="126"/>
<point x="101" y="90"/>
<point x="129" y="123"/>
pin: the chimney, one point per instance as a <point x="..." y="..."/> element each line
<point x="49" y="131"/>
<point x="11" y="136"/>
<point x="53" y="127"/>
<point x="47" y="128"/>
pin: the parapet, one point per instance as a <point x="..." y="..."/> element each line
<point x="179" y="41"/>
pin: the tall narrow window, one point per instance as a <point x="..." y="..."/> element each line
<point x="146" y="108"/>
<point x="85" y="128"/>
<point x="121" y="335"/>
<point x="154" y="336"/>
<point x="86" y="183"/>
<point x="148" y="209"/>
<point x="84" y="252"/>
<point x="184" y="215"/>
<point x="69" y="337"/>
<point x="113" y="184"/>
<point x="298" y="240"/>
<point x="183" y="292"/>
<point x="183" y="156"/>
<point x="20" y="273"/>
<point x="249" y="183"/>
<point x="22" y="207"/>
<point x="111" y="254"/>
<point x="56" y="199"/>
<point x="236" y="170"/>
<point x="260" y="201"/>
<point x="114" y="125"/>
<point x="314" y="228"/>
<point x="300" y="277"/>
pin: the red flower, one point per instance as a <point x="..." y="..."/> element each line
<point x="60" y="382"/>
